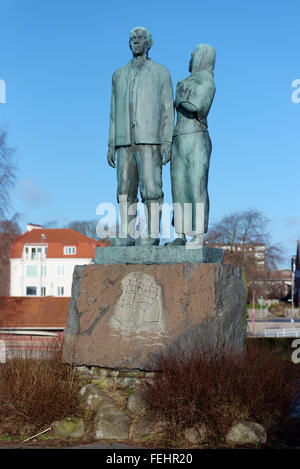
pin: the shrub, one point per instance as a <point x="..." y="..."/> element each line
<point x="221" y="388"/>
<point x="35" y="392"/>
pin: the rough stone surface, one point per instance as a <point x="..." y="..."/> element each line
<point x="135" y="403"/>
<point x="196" y="434"/>
<point x="95" y="398"/>
<point x="247" y="432"/>
<point x="84" y="370"/>
<point x="191" y="435"/>
<point x="111" y="423"/>
<point x="146" y="426"/>
<point x="103" y="381"/>
<point x="120" y="315"/>
<point x="69" y="427"/>
<point x="157" y="255"/>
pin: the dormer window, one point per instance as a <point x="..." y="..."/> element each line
<point x="35" y="252"/>
<point x="70" y="250"/>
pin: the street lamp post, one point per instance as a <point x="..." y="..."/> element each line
<point x="253" y="312"/>
<point x="293" y="284"/>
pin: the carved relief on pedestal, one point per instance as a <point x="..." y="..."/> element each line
<point x="140" y="306"/>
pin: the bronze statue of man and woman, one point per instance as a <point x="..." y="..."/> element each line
<point x="143" y="138"/>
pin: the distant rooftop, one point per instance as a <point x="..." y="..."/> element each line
<point x="56" y="239"/>
<point x="27" y="312"/>
<point x="33" y="226"/>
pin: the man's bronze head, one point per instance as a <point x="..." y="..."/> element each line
<point x="140" y="41"/>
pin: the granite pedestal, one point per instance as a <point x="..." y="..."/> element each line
<point x="121" y="315"/>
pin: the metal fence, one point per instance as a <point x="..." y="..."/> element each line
<point x="282" y="333"/>
<point x="31" y="343"/>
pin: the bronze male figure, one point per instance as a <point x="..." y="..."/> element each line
<point x="141" y="129"/>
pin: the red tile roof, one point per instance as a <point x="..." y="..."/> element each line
<point x="56" y="239"/>
<point x="42" y="312"/>
<point x="246" y="245"/>
<point x="280" y="274"/>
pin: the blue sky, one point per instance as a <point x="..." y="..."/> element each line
<point x="57" y="59"/>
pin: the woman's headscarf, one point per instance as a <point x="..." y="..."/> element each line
<point x="204" y="57"/>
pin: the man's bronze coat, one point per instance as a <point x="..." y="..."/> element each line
<point x="154" y="115"/>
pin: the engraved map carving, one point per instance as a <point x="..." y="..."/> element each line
<point x="140" y="305"/>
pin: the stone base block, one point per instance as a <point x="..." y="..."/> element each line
<point x="122" y="315"/>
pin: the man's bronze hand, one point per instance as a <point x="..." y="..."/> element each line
<point x="165" y="151"/>
<point x="111" y="156"/>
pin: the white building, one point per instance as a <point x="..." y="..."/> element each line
<point x="42" y="260"/>
<point x="256" y="250"/>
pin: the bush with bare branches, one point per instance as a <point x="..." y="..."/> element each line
<point x="35" y="392"/>
<point x="221" y="388"/>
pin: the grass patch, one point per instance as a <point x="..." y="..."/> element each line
<point x="47" y="437"/>
<point x="5" y="438"/>
<point x="128" y="391"/>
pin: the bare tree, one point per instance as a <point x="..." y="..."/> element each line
<point x="86" y="227"/>
<point x="7" y="173"/>
<point x="239" y="230"/>
<point x="240" y="227"/>
<point x="9" y="230"/>
<point x="249" y="227"/>
<point x="90" y="228"/>
<point x="275" y="253"/>
<point x="51" y="224"/>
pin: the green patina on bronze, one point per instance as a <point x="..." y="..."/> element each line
<point x="191" y="148"/>
<point x="157" y="255"/>
<point x="141" y="129"/>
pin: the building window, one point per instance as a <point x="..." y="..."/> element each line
<point x="70" y="250"/>
<point x="60" y="270"/>
<point x="43" y="270"/>
<point x="33" y="253"/>
<point x="60" y="291"/>
<point x="31" y="271"/>
<point x="43" y="291"/>
<point x="31" y="291"/>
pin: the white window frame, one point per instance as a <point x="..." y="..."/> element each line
<point x="70" y="250"/>
<point x="31" y="286"/>
<point x="35" y="267"/>
<point x="60" y="291"/>
<point x="60" y="270"/>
